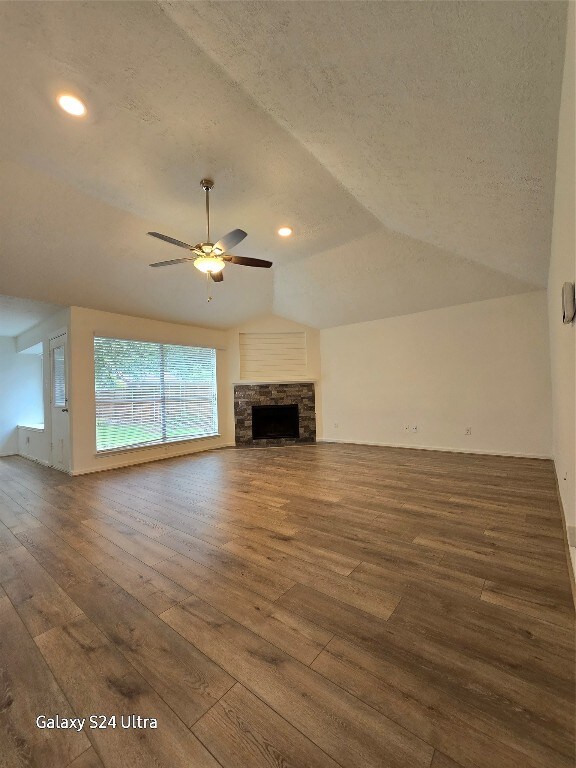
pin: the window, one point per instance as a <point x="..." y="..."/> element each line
<point x="30" y="382"/>
<point x="58" y="376"/>
<point x="150" y="393"/>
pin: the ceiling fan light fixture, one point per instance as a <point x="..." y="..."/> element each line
<point x="209" y="264"/>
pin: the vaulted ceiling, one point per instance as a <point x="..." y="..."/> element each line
<point x="410" y="145"/>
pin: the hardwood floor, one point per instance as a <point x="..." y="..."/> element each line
<point x="307" y="607"/>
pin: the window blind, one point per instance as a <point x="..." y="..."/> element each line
<point x="58" y="377"/>
<point x="148" y="393"/>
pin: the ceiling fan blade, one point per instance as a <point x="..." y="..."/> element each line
<point x="230" y="240"/>
<point x="172" y="261"/>
<point x="246" y="261"/>
<point x="217" y="276"/>
<point x="171" y="240"/>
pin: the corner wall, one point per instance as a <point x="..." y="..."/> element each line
<point x="562" y="269"/>
<point x="483" y="365"/>
<point x="277" y="324"/>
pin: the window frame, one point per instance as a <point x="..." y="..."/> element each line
<point x="58" y="383"/>
<point x="161" y="401"/>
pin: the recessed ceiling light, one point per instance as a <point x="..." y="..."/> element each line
<point x="284" y="231"/>
<point x="72" y="105"/>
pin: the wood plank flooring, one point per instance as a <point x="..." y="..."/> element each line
<point x="311" y="607"/>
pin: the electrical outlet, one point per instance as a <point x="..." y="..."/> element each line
<point x="415" y="429"/>
<point x="335" y="425"/>
<point x="468" y="431"/>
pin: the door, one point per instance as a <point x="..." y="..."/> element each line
<point x="60" y="440"/>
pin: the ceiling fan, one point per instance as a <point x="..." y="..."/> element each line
<point x="209" y="257"/>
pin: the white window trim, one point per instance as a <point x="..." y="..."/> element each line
<point x="161" y="442"/>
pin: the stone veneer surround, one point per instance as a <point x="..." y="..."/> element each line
<point x="247" y="395"/>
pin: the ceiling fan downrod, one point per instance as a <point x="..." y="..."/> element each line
<point x="207" y="185"/>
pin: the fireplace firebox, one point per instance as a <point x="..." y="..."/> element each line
<point x="275" y="421"/>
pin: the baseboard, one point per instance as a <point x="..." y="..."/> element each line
<point x="39" y="461"/>
<point x="571" y="573"/>
<point x="436" y="448"/>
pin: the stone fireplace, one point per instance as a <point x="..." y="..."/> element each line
<point x="274" y="414"/>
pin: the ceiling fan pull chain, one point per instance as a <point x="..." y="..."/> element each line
<point x="208" y="286"/>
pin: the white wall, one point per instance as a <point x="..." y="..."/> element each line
<point x="483" y="365"/>
<point x="562" y="269"/>
<point x="20" y="393"/>
<point x="87" y="323"/>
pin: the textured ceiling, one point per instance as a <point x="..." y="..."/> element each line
<point x="410" y="145"/>
<point x="17" y="315"/>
